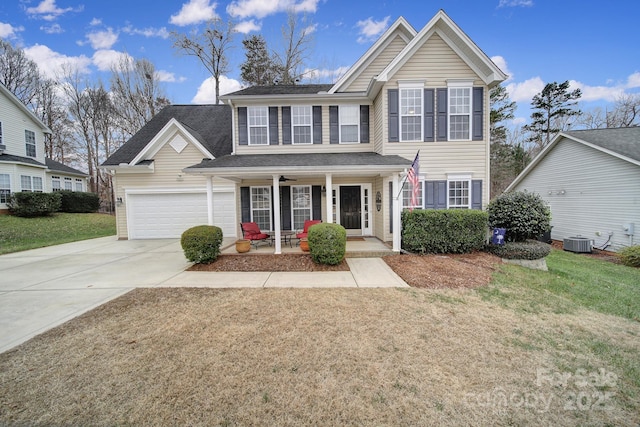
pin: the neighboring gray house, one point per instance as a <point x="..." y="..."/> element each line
<point x="591" y="180"/>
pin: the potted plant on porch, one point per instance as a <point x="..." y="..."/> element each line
<point x="243" y="245"/>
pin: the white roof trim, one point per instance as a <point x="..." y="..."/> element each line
<point x="24" y="108"/>
<point x="371" y="53"/>
<point x="161" y="138"/>
<point x="427" y="32"/>
<point x="552" y="144"/>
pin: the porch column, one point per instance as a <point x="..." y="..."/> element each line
<point x="210" y="200"/>
<point x="397" y="230"/>
<point x="276" y="213"/>
<point x="329" y="197"/>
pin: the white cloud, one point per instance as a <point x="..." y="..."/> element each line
<point x="261" y="8"/>
<point x="147" y="32"/>
<point x="515" y="3"/>
<point x="52" y="29"/>
<point x="8" y="31"/>
<point x="517" y="121"/>
<point x="95" y="22"/>
<point x="633" y="81"/>
<point x="48" y="10"/>
<point x="207" y="90"/>
<point x="370" y="29"/>
<point x="50" y="63"/>
<point x="524" y="91"/>
<point x="193" y="12"/>
<point x="103" y="39"/>
<point x="310" y="29"/>
<point x="324" y="74"/>
<point x="502" y="64"/>
<point x="596" y="93"/>
<point x="245" y="27"/>
<point x="168" y="77"/>
<point x="106" y="58"/>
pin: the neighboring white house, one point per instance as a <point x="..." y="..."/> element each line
<point x="23" y="166"/>
<point x="591" y="180"/>
<point x="279" y="155"/>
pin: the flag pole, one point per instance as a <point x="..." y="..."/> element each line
<point x="406" y="175"/>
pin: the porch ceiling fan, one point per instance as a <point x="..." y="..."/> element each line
<point x="285" y="179"/>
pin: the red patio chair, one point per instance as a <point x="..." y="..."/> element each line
<point x="251" y="231"/>
<point x="307" y="224"/>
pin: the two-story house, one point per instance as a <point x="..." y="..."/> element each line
<point x="338" y="152"/>
<point x="23" y="165"/>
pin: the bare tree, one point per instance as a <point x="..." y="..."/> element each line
<point x="210" y="47"/>
<point x="297" y="36"/>
<point x="136" y="93"/>
<point x="626" y="112"/>
<point x="18" y="73"/>
<point x="593" y="119"/>
<point x="49" y="106"/>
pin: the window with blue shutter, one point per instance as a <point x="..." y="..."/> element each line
<point x="394" y="115"/>
<point x="273" y="125"/>
<point x="243" y="133"/>
<point x="441" y="114"/>
<point x="478" y="103"/>
<point x="429" y="115"/>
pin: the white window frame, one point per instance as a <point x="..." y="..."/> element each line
<point x="294" y="206"/>
<point x="68" y="181"/>
<point x="79" y="185"/>
<point x="258" y="117"/>
<point x="25" y="184"/>
<point x="28" y="135"/>
<point x="56" y="179"/>
<point x="454" y="180"/>
<point x="343" y="121"/>
<point x="418" y="110"/>
<point x="5" y="187"/>
<point x="406" y="194"/>
<point x="455" y="86"/>
<point x="299" y="116"/>
<point x="36" y="184"/>
<point x="265" y="190"/>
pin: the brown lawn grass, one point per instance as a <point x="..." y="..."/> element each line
<point x="310" y="356"/>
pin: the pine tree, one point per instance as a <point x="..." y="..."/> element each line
<point x="258" y="69"/>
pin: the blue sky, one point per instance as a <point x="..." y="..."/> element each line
<point x="594" y="45"/>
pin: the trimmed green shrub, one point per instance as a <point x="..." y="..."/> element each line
<point x="524" y="215"/>
<point x="443" y="231"/>
<point x="30" y="205"/>
<point x="529" y="250"/>
<point x="630" y="256"/>
<point x="327" y="243"/>
<point x="201" y="244"/>
<point x="79" y="202"/>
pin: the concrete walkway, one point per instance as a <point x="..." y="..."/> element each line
<point x="43" y="288"/>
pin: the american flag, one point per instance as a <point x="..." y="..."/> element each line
<point x="412" y="177"/>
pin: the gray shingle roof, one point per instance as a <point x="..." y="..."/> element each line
<point x="624" y="141"/>
<point x="59" y="167"/>
<point x="303" y="160"/>
<point x="282" y="90"/>
<point x="209" y="124"/>
<point x="9" y="158"/>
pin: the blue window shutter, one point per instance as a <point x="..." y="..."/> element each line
<point x="364" y="124"/>
<point x="478" y="104"/>
<point x="285" y="208"/>
<point x="273" y="125"/>
<point x="245" y="204"/>
<point x="394" y="115"/>
<point x="441" y="112"/>
<point x="317" y="124"/>
<point x="243" y="132"/>
<point x="334" y="133"/>
<point x="435" y="195"/>
<point x="429" y="116"/>
<point x="286" y="125"/>
<point x="391" y="195"/>
<point x="316" y="201"/>
<point x="441" y="194"/>
<point x="476" y="194"/>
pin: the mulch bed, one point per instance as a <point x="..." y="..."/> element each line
<point x="282" y="262"/>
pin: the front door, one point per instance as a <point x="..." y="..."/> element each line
<point x="350" y="207"/>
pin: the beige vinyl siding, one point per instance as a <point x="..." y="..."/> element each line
<point x="601" y="192"/>
<point x="379" y="63"/>
<point x="436" y="62"/>
<point x="168" y="164"/>
<point x="379" y="134"/>
<point x="325" y="147"/>
<point x="14" y="123"/>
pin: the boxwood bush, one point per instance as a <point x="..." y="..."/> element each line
<point x="524" y="215"/>
<point x="327" y="243"/>
<point x="29" y="204"/>
<point x="630" y="256"/>
<point x="79" y="202"/>
<point x="201" y="244"/>
<point x="443" y="231"/>
<point x="528" y="250"/>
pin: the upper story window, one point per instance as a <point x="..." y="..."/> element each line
<point x="349" y="123"/>
<point x="55" y="183"/>
<point x="459" y="110"/>
<point x="79" y="186"/>
<point x="30" y="141"/>
<point x="258" y="120"/>
<point x="302" y="124"/>
<point x="5" y="187"/>
<point x="411" y="114"/>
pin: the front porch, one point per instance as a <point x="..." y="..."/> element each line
<point x="357" y="247"/>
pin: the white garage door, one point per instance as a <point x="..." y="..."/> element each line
<point x="168" y="215"/>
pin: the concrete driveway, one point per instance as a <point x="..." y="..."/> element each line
<point x="42" y="288"/>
